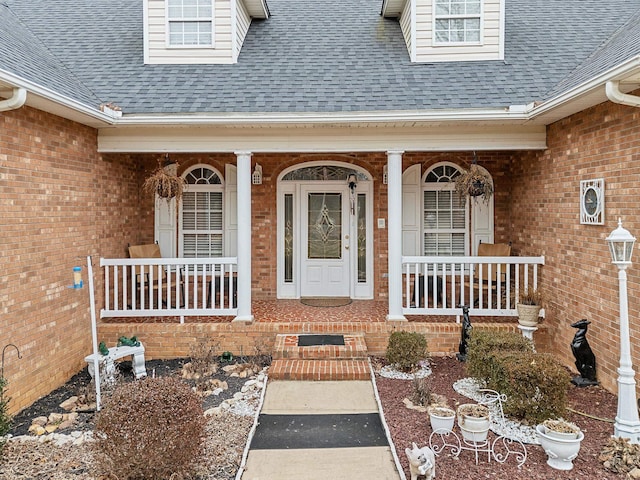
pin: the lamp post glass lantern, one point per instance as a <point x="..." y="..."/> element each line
<point x="627" y="424"/>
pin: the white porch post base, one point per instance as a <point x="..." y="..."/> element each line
<point x="244" y="238"/>
<point x="394" y="220"/>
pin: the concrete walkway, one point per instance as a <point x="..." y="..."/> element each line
<point x="326" y="430"/>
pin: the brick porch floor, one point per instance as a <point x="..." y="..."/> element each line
<point x="293" y="311"/>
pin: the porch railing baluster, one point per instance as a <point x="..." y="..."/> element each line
<point x="185" y="287"/>
<point x="491" y="291"/>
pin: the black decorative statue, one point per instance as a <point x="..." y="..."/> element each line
<point x="585" y="359"/>
<point x="464" y="334"/>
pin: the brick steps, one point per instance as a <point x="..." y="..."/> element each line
<point x="286" y="346"/>
<point x="319" y="370"/>
<point x="320" y="362"/>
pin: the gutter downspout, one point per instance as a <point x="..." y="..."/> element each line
<point x="14" y="102"/>
<point x="615" y="95"/>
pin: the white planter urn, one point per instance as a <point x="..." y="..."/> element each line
<point x="474" y="429"/>
<point x="442" y="419"/>
<point x="561" y="448"/>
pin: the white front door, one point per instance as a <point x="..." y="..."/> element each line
<point x="325" y="241"/>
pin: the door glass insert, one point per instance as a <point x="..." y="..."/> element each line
<point x="288" y="238"/>
<point x="362" y="238"/>
<point x="324" y="226"/>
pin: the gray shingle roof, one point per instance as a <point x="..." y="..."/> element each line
<point x="310" y="56"/>
<point x="22" y="54"/>
<point x="624" y="44"/>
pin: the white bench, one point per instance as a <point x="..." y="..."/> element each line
<point x="107" y="362"/>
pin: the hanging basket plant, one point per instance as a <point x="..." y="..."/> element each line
<point x="474" y="182"/>
<point x="165" y="182"/>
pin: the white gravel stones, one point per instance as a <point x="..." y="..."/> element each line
<point x="389" y="371"/>
<point x="245" y="402"/>
<point x="515" y="430"/>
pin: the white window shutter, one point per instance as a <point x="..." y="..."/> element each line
<point x="231" y="211"/>
<point x="481" y="222"/>
<point x="411" y="210"/>
<point x="165" y="226"/>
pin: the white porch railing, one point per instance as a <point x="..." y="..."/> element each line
<point x="489" y="285"/>
<point x="144" y="287"/>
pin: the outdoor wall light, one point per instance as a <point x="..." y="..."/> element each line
<point x="352" y="182"/>
<point x="385" y="175"/>
<point x="256" y="176"/>
<point x="627" y="423"/>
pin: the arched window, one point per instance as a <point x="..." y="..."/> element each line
<point x="444" y="219"/>
<point x="201" y="214"/>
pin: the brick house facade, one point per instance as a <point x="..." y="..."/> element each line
<point x="63" y="200"/>
<point x="84" y="118"/>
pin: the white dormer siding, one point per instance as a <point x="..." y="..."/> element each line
<point x="242" y="25"/>
<point x="227" y="22"/>
<point x="450" y="30"/>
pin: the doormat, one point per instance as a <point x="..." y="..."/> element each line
<point x="325" y="301"/>
<point x="319" y="340"/>
<point x="279" y="432"/>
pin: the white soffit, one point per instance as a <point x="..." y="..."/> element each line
<point x="320" y="138"/>
<point x="257" y="8"/>
<point x="392" y="8"/>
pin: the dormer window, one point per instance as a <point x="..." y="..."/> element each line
<point x="190" y="23"/>
<point x="457" y="21"/>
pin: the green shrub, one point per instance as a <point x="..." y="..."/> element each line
<point x="406" y="349"/>
<point x="5" y="418"/>
<point x="484" y="345"/>
<point x="150" y="429"/>
<point x="535" y="385"/>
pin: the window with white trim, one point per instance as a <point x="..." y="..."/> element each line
<point x="444" y="224"/>
<point x="202" y="224"/>
<point x="190" y="23"/>
<point x="457" y="21"/>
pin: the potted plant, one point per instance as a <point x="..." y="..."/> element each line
<point x="529" y="305"/>
<point x="473" y="420"/>
<point x="561" y="442"/>
<point x="474" y="182"/>
<point x="165" y="182"/>
<point x="441" y="418"/>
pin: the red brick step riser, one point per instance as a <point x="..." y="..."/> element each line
<point x="319" y="370"/>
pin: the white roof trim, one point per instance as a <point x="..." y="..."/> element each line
<point x="593" y="86"/>
<point x="257" y="8"/>
<point x="510" y="114"/>
<point x="50" y="101"/>
<point x="392" y="8"/>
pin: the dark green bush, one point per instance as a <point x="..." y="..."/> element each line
<point x="406" y="349"/>
<point x="150" y="429"/>
<point x="484" y="345"/>
<point x="535" y="385"/>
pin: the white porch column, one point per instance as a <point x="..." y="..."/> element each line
<point x="244" y="237"/>
<point x="394" y="232"/>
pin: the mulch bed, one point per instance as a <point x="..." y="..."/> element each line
<point x="407" y="426"/>
<point x="78" y="383"/>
